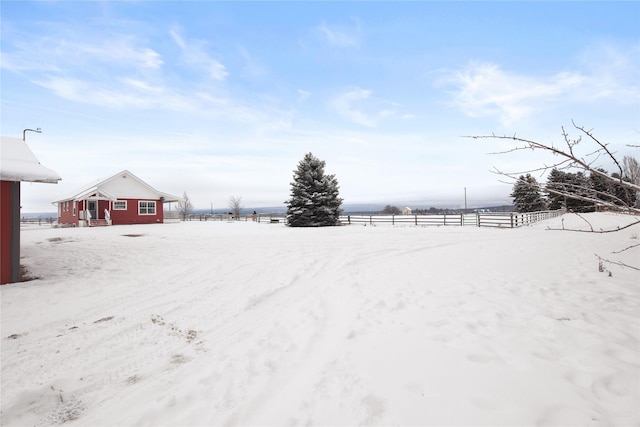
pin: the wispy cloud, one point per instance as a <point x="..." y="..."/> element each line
<point x="485" y="89"/>
<point x="488" y="90"/>
<point x="126" y="72"/>
<point x="340" y="36"/>
<point x="358" y="105"/>
<point x="614" y="71"/>
<point x="252" y="66"/>
<point x="344" y="104"/>
<point x="303" y="95"/>
<point x="60" y="54"/>
<point x="194" y="52"/>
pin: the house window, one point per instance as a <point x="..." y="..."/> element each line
<point x="74" y="208"/>
<point x="120" y="205"/>
<point x="146" y="208"/>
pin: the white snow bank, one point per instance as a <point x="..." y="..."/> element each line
<point x="209" y="323"/>
<point x="18" y="163"/>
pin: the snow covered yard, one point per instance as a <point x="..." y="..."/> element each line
<point x="214" y="323"/>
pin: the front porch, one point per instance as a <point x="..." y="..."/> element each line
<point x="94" y="208"/>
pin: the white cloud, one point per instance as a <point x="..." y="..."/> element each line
<point x="614" y="71"/>
<point x="303" y="95"/>
<point x="344" y="105"/>
<point x="358" y="106"/>
<point x="58" y="53"/>
<point x="485" y="89"/>
<point x="194" y="53"/>
<point x="119" y="50"/>
<point x="141" y="85"/>
<point x="344" y="37"/>
<point x="252" y="66"/>
<point x="602" y="72"/>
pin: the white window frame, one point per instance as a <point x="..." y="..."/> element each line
<point x="75" y="207"/>
<point x="148" y="204"/>
<point x="116" y="208"/>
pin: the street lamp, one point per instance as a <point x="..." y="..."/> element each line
<point x="24" y="132"/>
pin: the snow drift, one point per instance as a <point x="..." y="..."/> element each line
<point x="215" y="323"/>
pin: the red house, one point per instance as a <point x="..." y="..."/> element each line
<point x="17" y="164"/>
<point x="120" y="199"/>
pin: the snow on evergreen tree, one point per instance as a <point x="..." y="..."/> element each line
<point x="571" y="191"/>
<point x="315" y="200"/>
<point x="526" y="195"/>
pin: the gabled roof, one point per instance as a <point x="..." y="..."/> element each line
<point x="96" y="189"/>
<point x="95" y="193"/>
<point x="18" y="163"/>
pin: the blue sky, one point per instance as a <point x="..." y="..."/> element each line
<point x="221" y="99"/>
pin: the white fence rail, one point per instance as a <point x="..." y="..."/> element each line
<point x="270" y="218"/>
<point x="477" y="219"/>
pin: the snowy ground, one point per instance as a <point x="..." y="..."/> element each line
<point x="215" y="323"/>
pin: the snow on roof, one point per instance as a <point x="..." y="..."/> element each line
<point x="96" y="186"/>
<point x="18" y="163"/>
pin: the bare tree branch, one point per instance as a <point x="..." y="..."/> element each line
<point x="621" y="264"/>
<point x="627" y="248"/>
<point x="595" y="231"/>
<point x="568" y="157"/>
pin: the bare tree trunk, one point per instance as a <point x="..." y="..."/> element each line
<point x="235" y="204"/>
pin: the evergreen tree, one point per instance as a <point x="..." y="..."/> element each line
<point x="526" y="195"/>
<point x="315" y="200"/>
<point x="602" y="187"/>
<point x="581" y="187"/>
<point x="625" y="195"/>
<point x="556" y="181"/>
<point x="567" y="190"/>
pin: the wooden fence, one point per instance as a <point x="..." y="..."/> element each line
<point x="39" y="220"/>
<point x="477" y="219"/>
<point x="270" y="218"/>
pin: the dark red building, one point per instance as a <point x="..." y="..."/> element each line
<point x="17" y="164"/>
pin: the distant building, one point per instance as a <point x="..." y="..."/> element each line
<point x="406" y="211"/>
<point x="17" y="164"/>
<point x="119" y="199"/>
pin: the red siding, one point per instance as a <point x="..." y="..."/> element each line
<point x="130" y="216"/>
<point x="5" y="230"/>
<point x="66" y="216"/>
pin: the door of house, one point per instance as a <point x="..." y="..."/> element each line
<point x="93" y="209"/>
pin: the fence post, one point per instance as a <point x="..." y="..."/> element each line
<point x="478" y="218"/>
<point x="393" y="220"/>
<point x="349" y="219"/>
<point x="511" y="215"/>
<point x="416" y="219"/>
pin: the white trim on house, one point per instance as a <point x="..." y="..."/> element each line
<point x="146" y="210"/>
<point x="114" y="188"/>
<point x="119" y="205"/>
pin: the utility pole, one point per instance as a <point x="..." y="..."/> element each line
<point x="465" y="199"/>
